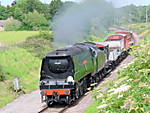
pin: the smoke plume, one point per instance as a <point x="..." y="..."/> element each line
<point x="77" y="21"/>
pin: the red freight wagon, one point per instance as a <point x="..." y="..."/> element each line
<point x="124" y="41"/>
<point x="130" y="35"/>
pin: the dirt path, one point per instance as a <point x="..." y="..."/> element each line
<point x="28" y="103"/>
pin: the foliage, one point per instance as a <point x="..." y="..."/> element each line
<point x="39" y="44"/>
<point x="13" y="25"/>
<point x="130" y="92"/>
<point x="132" y="14"/>
<point x="124" y="15"/>
<point x="54" y="7"/>
<point x="46" y="35"/>
<point x="30" y="5"/>
<point x="35" y="20"/>
<point x="142" y="27"/>
<point x="12" y="37"/>
<point x="17" y="62"/>
<point x="94" y="39"/>
<point x="4" y="13"/>
<point x="15" y="12"/>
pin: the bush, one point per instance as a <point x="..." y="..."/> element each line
<point x="35" y="20"/>
<point x="12" y="25"/>
<point x="39" y="44"/>
<point x="46" y="35"/>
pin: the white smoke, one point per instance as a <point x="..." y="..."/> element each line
<point x="74" y="23"/>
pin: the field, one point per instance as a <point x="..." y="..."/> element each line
<point x="17" y="62"/>
<point x="11" y="37"/>
<point x="21" y="60"/>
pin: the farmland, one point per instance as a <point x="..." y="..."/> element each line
<point x="11" y="37"/>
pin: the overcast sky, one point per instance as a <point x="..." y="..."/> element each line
<point x="117" y="2"/>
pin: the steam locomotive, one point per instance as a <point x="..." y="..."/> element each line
<point x="67" y="73"/>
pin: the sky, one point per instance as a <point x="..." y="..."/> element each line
<point x="8" y="2"/>
<point x="117" y="2"/>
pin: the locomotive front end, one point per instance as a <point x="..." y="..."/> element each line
<point x="57" y="78"/>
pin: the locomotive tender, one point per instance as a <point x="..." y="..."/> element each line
<point x="67" y="73"/>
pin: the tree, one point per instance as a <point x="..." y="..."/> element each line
<point x="35" y="20"/>
<point x="68" y="4"/>
<point x="15" y="12"/>
<point x="147" y="10"/>
<point x="54" y="7"/>
<point x="133" y="14"/>
<point x="3" y="13"/>
<point x="30" y="5"/>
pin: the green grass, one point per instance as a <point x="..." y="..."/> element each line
<point x="17" y="62"/>
<point x="142" y="29"/>
<point x="11" y="37"/>
<point x="139" y="28"/>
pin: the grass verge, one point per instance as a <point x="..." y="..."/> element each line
<point x="17" y="62"/>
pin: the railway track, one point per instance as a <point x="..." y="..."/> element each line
<point x="63" y="109"/>
<point x="53" y="109"/>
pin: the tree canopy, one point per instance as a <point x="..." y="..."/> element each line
<point x="23" y="10"/>
<point x="35" y="20"/>
<point x="3" y="13"/>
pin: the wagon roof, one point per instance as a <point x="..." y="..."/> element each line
<point x="117" y="37"/>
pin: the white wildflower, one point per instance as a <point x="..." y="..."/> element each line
<point x="122" y="88"/>
<point x="111" y="90"/>
<point x="120" y="96"/>
<point x="129" y="80"/>
<point x="102" y="106"/>
<point x="99" y="95"/>
<point x="121" y="80"/>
